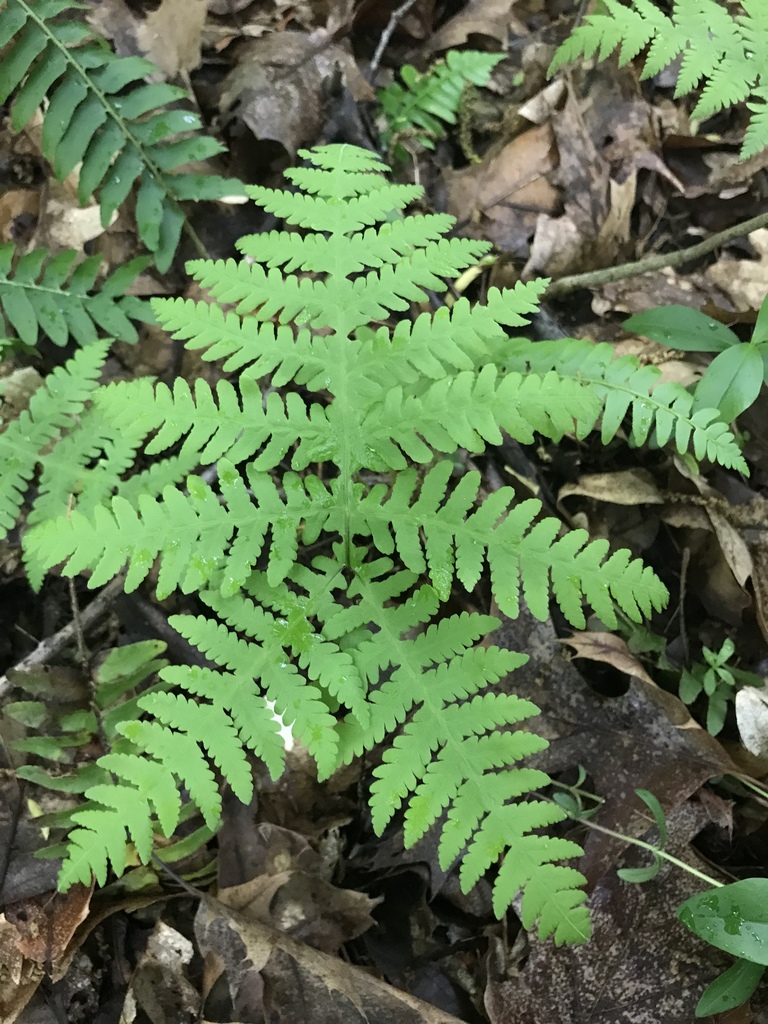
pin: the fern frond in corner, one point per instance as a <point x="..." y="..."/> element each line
<point x="103" y="116"/>
<point x="350" y="643"/>
<point x="57" y="296"/>
<point x="724" y="53"/>
<point x="427" y="101"/>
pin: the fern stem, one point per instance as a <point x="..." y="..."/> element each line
<point x="655" y="851"/>
<point x="659" y="261"/>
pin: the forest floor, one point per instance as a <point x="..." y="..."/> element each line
<point x="588" y="171"/>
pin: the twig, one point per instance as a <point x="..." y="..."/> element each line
<point x="395" y="17"/>
<point x="52" y="645"/>
<point x="191" y="889"/>
<point x="595" y="278"/>
<point x="82" y="650"/>
<point x="681" y="605"/>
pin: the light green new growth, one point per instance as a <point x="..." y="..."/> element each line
<point x="428" y="101"/>
<point x="335" y="525"/>
<point x="56" y="295"/>
<point x="102" y="116"/>
<point x="725" y="54"/>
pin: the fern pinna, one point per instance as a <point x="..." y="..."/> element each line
<point x="104" y="119"/>
<point x="331" y="532"/>
<point x="725" y="53"/>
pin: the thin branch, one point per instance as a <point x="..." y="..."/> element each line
<point x="395" y="17"/>
<point x="53" y="645"/>
<point x="596" y="278"/>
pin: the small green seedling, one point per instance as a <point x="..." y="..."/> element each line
<point x="717" y="682"/>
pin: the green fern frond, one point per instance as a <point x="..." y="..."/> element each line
<point x="713" y="46"/>
<point x="334" y="670"/>
<point x="299" y="703"/>
<point x="144" y="783"/>
<point x="340" y="302"/>
<point x="194" y="535"/>
<point x="56" y="296"/>
<point x="88" y="462"/>
<point x="51" y="410"/>
<point x="102" y="116"/>
<point x="430" y="100"/>
<point x="370" y="248"/>
<point x="350" y="647"/>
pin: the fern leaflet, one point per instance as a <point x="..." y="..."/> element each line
<point x="52" y="409"/>
<point x="54" y="295"/>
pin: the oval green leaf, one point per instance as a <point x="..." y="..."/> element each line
<point x="684" y="328"/>
<point x="733" y="918"/>
<point x="731" y="989"/>
<point x="731" y="383"/>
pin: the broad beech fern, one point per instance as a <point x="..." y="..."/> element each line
<point x="332" y="526"/>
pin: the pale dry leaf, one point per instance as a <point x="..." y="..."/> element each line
<point x="744" y="281"/>
<point x="493" y="19"/>
<point x="63" y="223"/>
<point x="159" y="985"/>
<point x="273" y="977"/>
<point x="539" y="108"/>
<point x="628" y="487"/>
<point x="169" y="36"/>
<point x="558" y="246"/>
<point x="506" y="192"/>
<point x="614" y="233"/>
<point x="609" y="649"/>
<point x="752" y="719"/>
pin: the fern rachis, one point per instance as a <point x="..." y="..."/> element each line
<point x="349" y="642"/>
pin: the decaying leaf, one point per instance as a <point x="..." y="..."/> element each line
<point x="167" y="33"/>
<point x="505" y="194"/>
<point x="752" y="719"/>
<point x="271" y="976"/>
<point x="610" y="649"/>
<point x="282" y="82"/>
